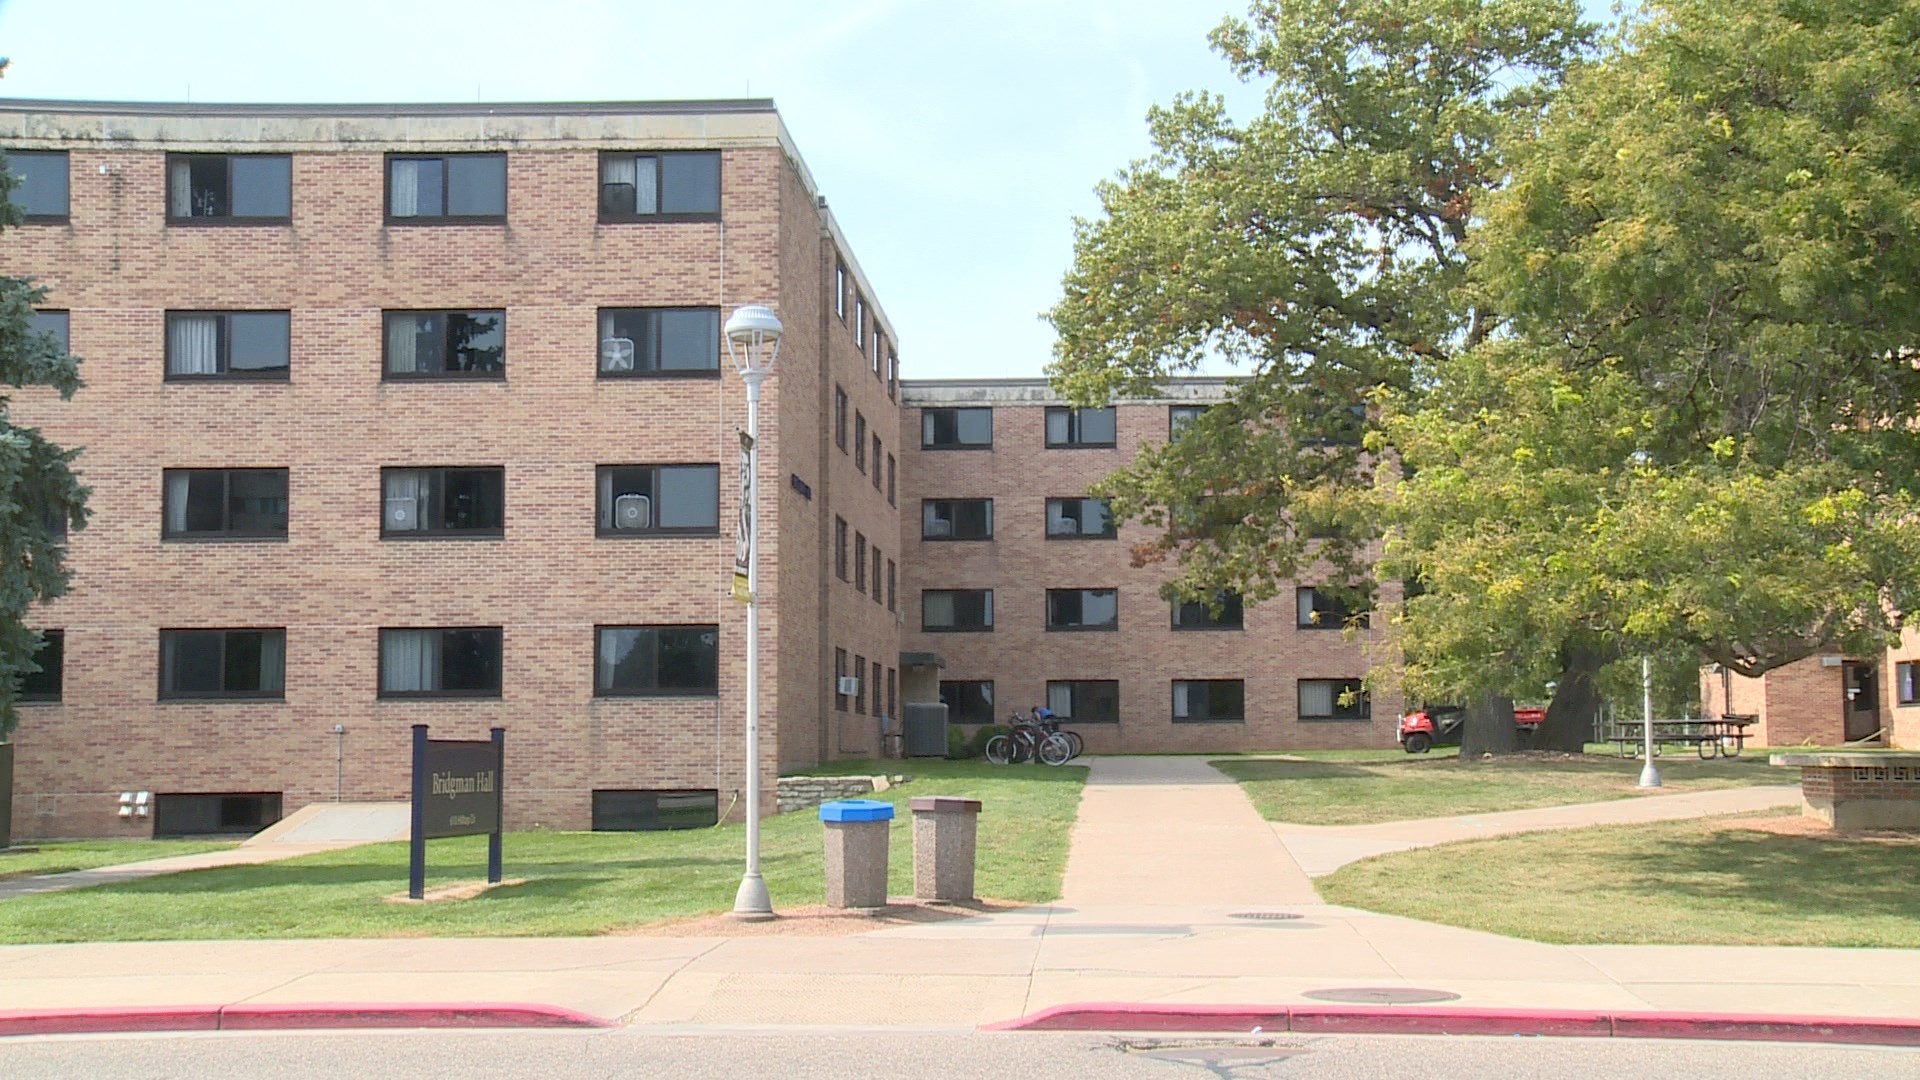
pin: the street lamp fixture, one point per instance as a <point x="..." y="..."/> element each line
<point x="753" y="341"/>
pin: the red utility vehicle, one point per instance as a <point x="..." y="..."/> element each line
<point x="1440" y="725"/>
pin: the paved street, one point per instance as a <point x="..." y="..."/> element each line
<point x="806" y="1055"/>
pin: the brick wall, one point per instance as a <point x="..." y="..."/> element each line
<point x="1146" y="654"/>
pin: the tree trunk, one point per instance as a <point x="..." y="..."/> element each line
<point x="1569" y="722"/>
<point x="1488" y="728"/>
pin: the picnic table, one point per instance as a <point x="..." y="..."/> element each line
<point x="1710" y="736"/>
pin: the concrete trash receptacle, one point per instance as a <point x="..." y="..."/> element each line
<point x="944" y="832"/>
<point x="857" y="852"/>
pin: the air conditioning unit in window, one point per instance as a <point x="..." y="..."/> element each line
<point x="633" y="511"/>
<point x="848" y="685"/>
<point x="616" y="354"/>
<point x="403" y="514"/>
<point x="939" y="528"/>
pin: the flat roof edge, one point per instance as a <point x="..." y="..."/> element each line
<point x="446" y="108"/>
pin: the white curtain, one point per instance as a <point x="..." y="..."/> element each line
<point x="273" y="662"/>
<point x="643" y="174"/>
<point x="177" y="484"/>
<point x="403" y="339"/>
<point x="1180" y="700"/>
<point x="194" y="344"/>
<point x="406" y="189"/>
<point x="1058" y="521"/>
<point x="1316" y="698"/>
<point x="939" y="609"/>
<point x="405" y="505"/>
<point x="620" y="171"/>
<point x="1060" y="700"/>
<point x="1059" y="426"/>
<point x="410" y="660"/>
<point x="180" y="189"/>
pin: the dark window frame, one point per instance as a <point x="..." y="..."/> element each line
<point x="1209" y="717"/>
<point x="1173" y="415"/>
<point x="387" y="374"/>
<point x="879" y="706"/>
<point x="56" y="675"/>
<point x="1210" y="624"/>
<point x="879" y="449"/>
<point x="658" y="332"/>
<point x="442" y="533"/>
<point x="651" y="814"/>
<point x="496" y="693"/>
<point x="65" y="334"/>
<point x="842" y="540"/>
<point x="1073" y="717"/>
<point x="929" y="410"/>
<point x="840" y="701"/>
<point x="840" y="290"/>
<point x="611" y="532"/>
<point x="446" y="179"/>
<point x="670" y="692"/>
<point x="230" y="374"/>
<point x="987" y="701"/>
<point x="605" y="217"/>
<point x="163" y="694"/>
<point x="46" y="219"/>
<point x="1363" y="699"/>
<point x="953" y="515"/>
<point x="1344" y="617"/>
<point x="878" y="560"/>
<point x="1074" y="440"/>
<point x="958" y="627"/>
<point x="859" y="562"/>
<point x="860" y="441"/>
<point x="226" y="533"/>
<point x="1113" y="529"/>
<point x="891" y="489"/>
<point x="1900" y="684"/>
<point x="229" y="218"/>
<point x="840" y="407"/>
<point x="892" y="593"/>
<point x="1083" y="628"/>
<point x="859" y="321"/>
<point x="893" y="374"/>
<point x="860" y="688"/>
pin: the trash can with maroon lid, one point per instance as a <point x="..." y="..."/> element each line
<point x="944" y="829"/>
<point x="857" y="852"/>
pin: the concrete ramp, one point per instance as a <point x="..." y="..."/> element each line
<point x="338" y="823"/>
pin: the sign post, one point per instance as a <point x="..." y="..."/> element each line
<point x="743" y="538"/>
<point x="457" y="791"/>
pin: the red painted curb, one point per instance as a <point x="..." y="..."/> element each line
<point x="317" y="1015"/>
<point x="1417" y="1020"/>
<point x="106" y="1020"/>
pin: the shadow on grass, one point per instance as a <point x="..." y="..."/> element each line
<point x="1791" y="877"/>
<point x="1301" y="770"/>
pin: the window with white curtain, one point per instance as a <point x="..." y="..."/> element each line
<point x="440" y="662"/>
<point x="224" y="503"/>
<point x="1068" y="427"/>
<point x="1080" y="519"/>
<point x="229" y="344"/>
<point x="1083" y="609"/>
<point x="446" y="344"/>
<point x="443" y="501"/>
<point x="424" y="189"/>
<point x="231" y="187"/>
<point x="1334" y="699"/>
<point x="1321" y="610"/>
<point x="683" y="185"/>
<point x="223" y="663"/>
<point x="956" y="610"/>
<point x="1209" y="701"/>
<point x="1085" y="701"/>
<point x="653" y="500"/>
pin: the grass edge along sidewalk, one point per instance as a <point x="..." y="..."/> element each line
<point x="576" y="883"/>
<point x="1367" y="789"/>
<point x="34" y="858"/>
<point x="1762" y="879"/>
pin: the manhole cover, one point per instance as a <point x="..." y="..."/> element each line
<point x="1381" y="995"/>
<point x="1265" y="916"/>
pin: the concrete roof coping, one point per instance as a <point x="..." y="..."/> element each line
<point x="1198" y="389"/>
<point x="389" y="109"/>
<point x="1846" y="759"/>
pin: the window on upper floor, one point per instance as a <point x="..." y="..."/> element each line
<point x="859" y="320"/>
<point x="446" y="345"/>
<point x="423" y="189"/>
<point x="50" y="322"/>
<point x="840" y="418"/>
<point x="39" y="184"/>
<point x="1334" y="699"/>
<point x="223" y="663"/>
<point x="49" y="656"/>
<point x="440" y="662"/>
<point x="968" y="701"/>
<point x="1083" y="609"/>
<point x="892" y="576"/>
<point x="1319" y="610"/>
<point x="1179" y="416"/>
<point x="658" y="500"/>
<point x="860" y="562"/>
<point x="656" y="661"/>
<point x="877" y="453"/>
<point x="840" y="549"/>
<point x="893" y="375"/>
<point x="891" y="491"/>
<point x="443" y="502"/>
<point x="860" y="441"/>
<point x="681" y="185"/>
<point x="224" y="504"/>
<point x="1068" y="428"/>
<point x="229" y="187"/>
<point x="1084" y="701"/>
<point x="956" y="429"/>
<point x="1080" y="519"/>
<point x="956" y="519"/>
<point x="840" y="291"/>
<point x="659" y="342"/>
<point x="956" y="610"/>
<point x="1209" y="701"/>
<point x="1226" y="612"/>
<point x="229" y="345"/>
<point x="879" y="352"/>
<point x="877" y="591"/>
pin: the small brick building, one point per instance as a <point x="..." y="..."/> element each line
<point x="1827" y="700"/>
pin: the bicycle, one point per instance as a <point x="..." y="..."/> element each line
<point x="1039" y="738"/>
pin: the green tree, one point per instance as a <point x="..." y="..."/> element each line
<point x="39" y="497"/>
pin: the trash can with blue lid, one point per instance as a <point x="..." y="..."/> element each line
<point x="857" y="832"/>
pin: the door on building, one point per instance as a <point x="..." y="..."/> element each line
<point x="1862" y="701"/>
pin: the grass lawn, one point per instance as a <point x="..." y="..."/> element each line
<point x="1366" y="786"/>
<point x="61" y="856"/>
<point x="577" y="883"/>
<point x="1676" y="883"/>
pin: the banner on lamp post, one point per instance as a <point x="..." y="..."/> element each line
<point x="743" y="535"/>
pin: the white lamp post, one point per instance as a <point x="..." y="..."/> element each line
<point x="753" y="340"/>
<point x="1649" y="773"/>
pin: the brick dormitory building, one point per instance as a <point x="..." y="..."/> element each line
<point x="421" y="414"/>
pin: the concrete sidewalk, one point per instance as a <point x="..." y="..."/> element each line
<point x="1322" y="849"/>
<point x="1166" y="861"/>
